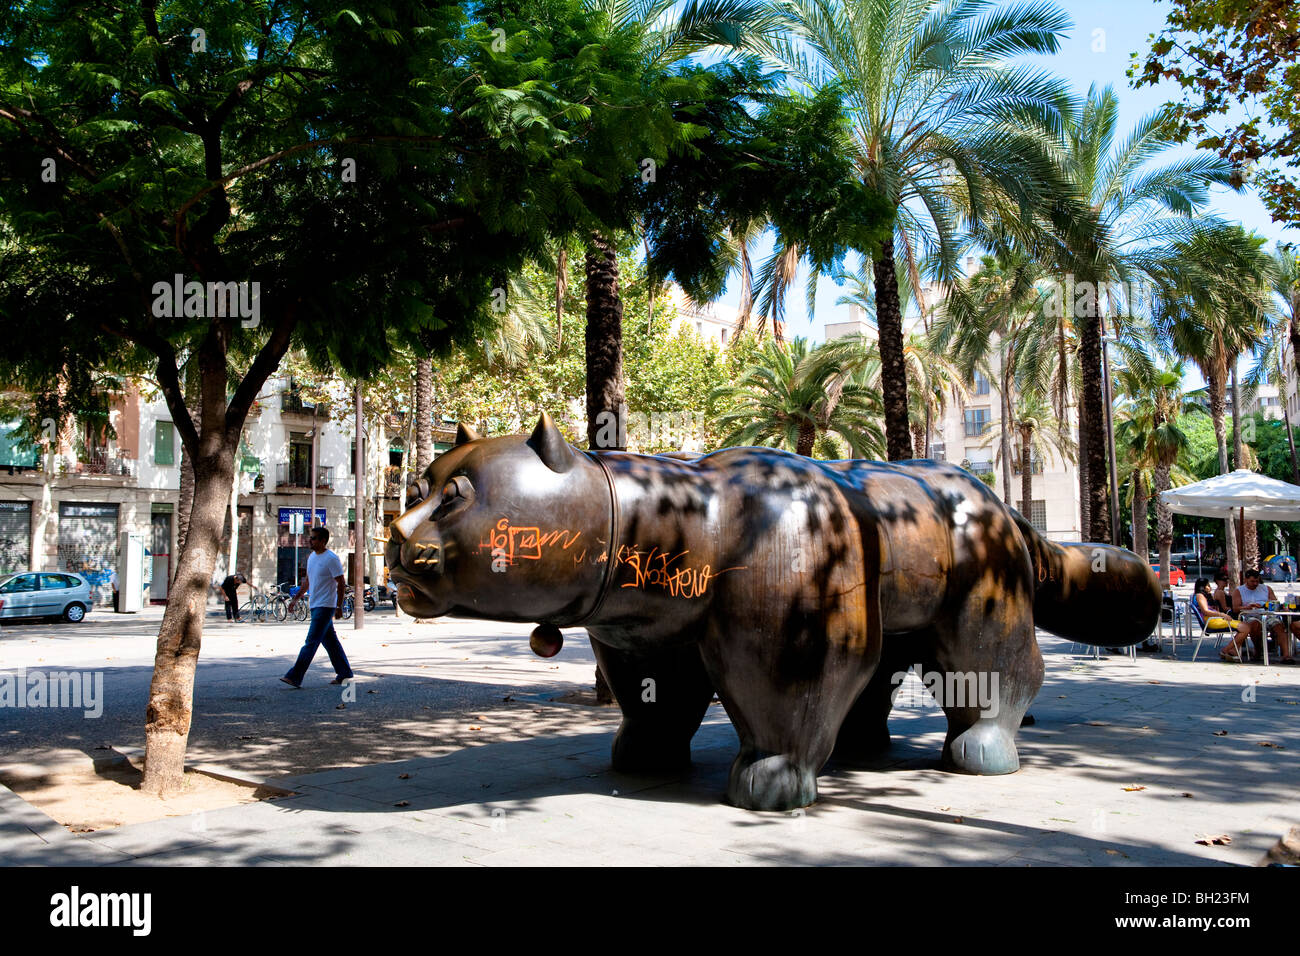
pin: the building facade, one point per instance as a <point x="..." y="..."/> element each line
<point x="64" y="506"/>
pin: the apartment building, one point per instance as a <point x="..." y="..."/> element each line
<point x="63" y="507"/>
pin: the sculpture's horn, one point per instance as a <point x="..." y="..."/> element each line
<point x="550" y="445"/>
<point x="464" y="433"/>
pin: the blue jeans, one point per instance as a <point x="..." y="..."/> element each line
<point x="320" y="632"/>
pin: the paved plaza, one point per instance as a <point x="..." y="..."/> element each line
<point x="455" y="746"/>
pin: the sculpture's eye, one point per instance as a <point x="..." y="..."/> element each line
<point x="455" y="493"/>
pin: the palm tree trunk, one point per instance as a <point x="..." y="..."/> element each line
<point x="1026" y="474"/>
<point x="918" y="440"/>
<point x="1085" y="511"/>
<point x="423" y="414"/>
<point x="605" y="392"/>
<point x="807" y="435"/>
<point x="1164" y="522"/>
<point x="1093" y="447"/>
<point x="1004" y="440"/>
<point x="1140" y="544"/>
<point x="893" y="369"/>
<point x="1218" y="401"/>
<point x="1250" y="533"/>
<point x="1290" y="437"/>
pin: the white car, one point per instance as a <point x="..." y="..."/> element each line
<point x="45" y="594"/>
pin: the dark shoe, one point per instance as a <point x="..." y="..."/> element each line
<point x="291" y="683"/>
<point x="341" y="680"/>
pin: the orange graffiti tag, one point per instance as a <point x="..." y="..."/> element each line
<point x="655" y="569"/>
<point x="514" y="543"/>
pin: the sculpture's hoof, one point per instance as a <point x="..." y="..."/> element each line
<point x="770" y="783"/>
<point x="643" y="751"/>
<point x="984" y="748"/>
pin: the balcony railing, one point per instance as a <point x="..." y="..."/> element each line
<point x="289" y="475"/>
<point x="292" y="403"/>
<point x="976" y="427"/>
<point x="979" y="467"/>
<point x="1035" y="467"/>
<point x="392" y="481"/>
<point x="101" y="461"/>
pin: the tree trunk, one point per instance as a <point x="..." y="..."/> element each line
<point x="1250" y="533"/>
<point x="171" y="692"/>
<point x="1218" y="401"/>
<point x="1290" y="437"/>
<point x="604" y="353"/>
<point x="807" y="435"/>
<point x="1141" y="546"/>
<point x="1094" y="434"/>
<point x="1085" y="512"/>
<point x="893" y="369"/>
<point x="423" y="414"/>
<point x="1004" y="440"/>
<point x="604" y="348"/>
<point x="918" y="440"/>
<point x="1026" y="475"/>
<point x="187" y="469"/>
<point x="1164" y="521"/>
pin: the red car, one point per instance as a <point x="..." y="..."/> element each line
<point x="1176" y="575"/>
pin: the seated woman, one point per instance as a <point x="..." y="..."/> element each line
<point x="1221" y="597"/>
<point x="1253" y="594"/>
<point x="1208" y="611"/>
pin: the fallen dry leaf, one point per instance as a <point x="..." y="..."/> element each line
<point x="1151" y="682"/>
<point x="1133" y="788"/>
<point x="1186" y="794"/>
<point x="403" y="776"/>
<point x="476" y="728"/>
<point x="958" y="820"/>
<point x="1097" y="723"/>
<point x="1269" y="743"/>
<point x="1215" y="841"/>
<point x="402" y="803"/>
<point x="1116" y="853"/>
<point x="340" y="706"/>
<point x="1220" y="733"/>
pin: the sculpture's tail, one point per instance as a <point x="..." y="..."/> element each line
<point x="1091" y="593"/>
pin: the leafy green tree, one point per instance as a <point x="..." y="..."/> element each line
<point x="1226" y="55"/>
<point x="199" y="144"/>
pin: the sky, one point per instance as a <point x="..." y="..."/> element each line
<point x="1096" y="51"/>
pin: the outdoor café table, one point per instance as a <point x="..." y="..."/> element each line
<point x="1264" y="615"/>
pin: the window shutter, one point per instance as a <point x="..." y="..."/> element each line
<point x="163" y="452"/>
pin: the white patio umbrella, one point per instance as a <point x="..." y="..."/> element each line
<point x="1239" y="495"/>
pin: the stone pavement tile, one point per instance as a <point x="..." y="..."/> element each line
<point x="63" y="853"/>
<point x="157" y="836"/>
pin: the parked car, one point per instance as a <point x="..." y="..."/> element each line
<point x="1176" y="575"/>
<point x="35" y="594"/>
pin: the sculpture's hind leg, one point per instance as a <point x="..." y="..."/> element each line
<point x="663" y="696"/>
<point x="992" y="668"/>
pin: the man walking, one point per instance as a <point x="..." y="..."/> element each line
<point x="325" y="590"/>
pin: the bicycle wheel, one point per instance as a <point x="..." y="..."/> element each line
<point x="347" y="607"/>
<point x="300" y="612"/>
<point x="280" y="608"/>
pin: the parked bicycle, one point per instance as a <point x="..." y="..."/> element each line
<point x="256" y="609"/>
<point x="281" y="599"/>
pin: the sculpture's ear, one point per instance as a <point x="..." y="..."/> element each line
<point x="550" y="445"/>
<point x="465" y="434"/>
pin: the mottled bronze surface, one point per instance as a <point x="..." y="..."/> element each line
<point x="800" y="591"/>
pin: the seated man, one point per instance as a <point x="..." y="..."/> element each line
<point x="1251" y="596"/>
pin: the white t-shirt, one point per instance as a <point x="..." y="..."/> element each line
<point x="322" y="569"/>
<point x="1258" y="596"/>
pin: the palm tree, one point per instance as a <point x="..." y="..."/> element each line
<point x="1209" y="307"/>
<point x="1038" y="436"/>
<point x="797" y="393"/>
<point x="946" y="129"/>
<point x="1148" y="432"/>
<point x="1280" y="332"/>
<point x="932" y="377"/>
<point x="1135" y="211"/>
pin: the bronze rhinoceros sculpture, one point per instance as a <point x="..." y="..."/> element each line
<point x="799" y="590"/>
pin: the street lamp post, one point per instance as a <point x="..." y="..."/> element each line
<point x="359" y="523"/>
